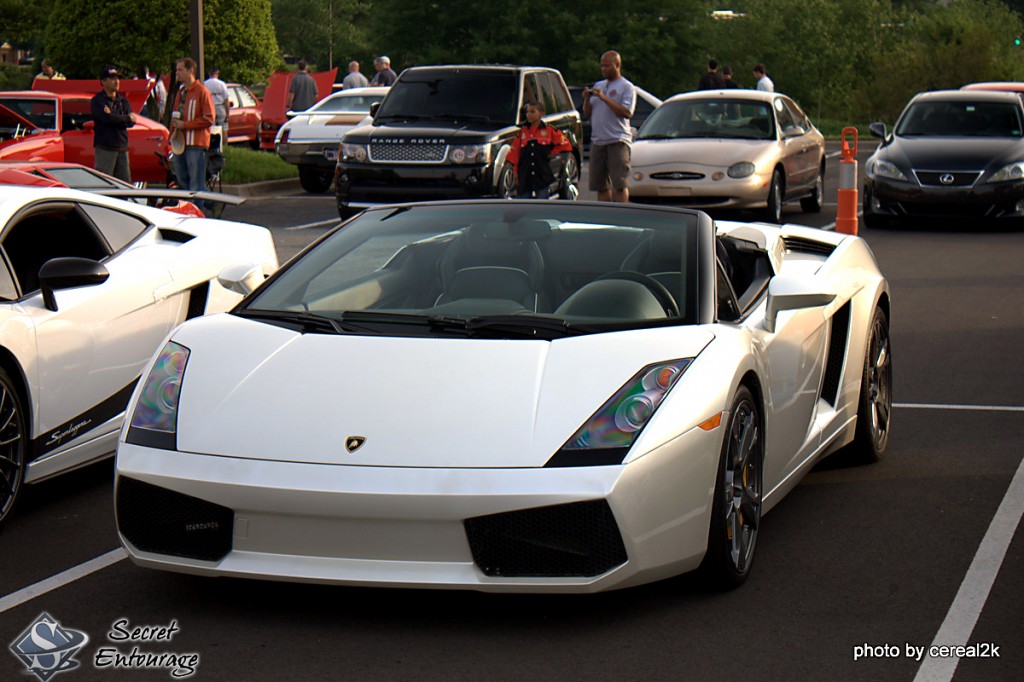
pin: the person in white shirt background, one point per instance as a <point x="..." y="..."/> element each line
<point x="763" y="81"/>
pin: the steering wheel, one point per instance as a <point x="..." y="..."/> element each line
<point x="657" y="289"/>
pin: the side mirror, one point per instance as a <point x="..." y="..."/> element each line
<point x="877" y="129"/>
<point x="793" y="131"/>
<point x="89" y="125"/>
<point x="67" y="273"/>
<point x="373" y="108"/>
<point x="793" y="293"/>
<point x="242" y="278"/>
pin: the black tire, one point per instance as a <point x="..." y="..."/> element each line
<point x="813" y="203"/>
<point x="874" y="405"/>
<point x="13" y="446"/>
<point x="507" y="183"/>
<point x="773" y="213"/>
<point x="255" y="144"/>
<point x="315" y="180"/>
<point x="736" y="509"/>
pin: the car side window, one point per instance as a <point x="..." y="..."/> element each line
<point x="51" y="231"/>
<point x="563" y="102"/>
<point x="546" y="93"/>
<point x="797" y="114"/>
<point x="119" y="229"/>
<point x="233" y="96"/>
<point x="785" y="118"/>
<point x="8" y="291"/>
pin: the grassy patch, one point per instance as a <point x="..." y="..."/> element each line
<point x="833" y="128"/>
<point x="243" y="165"/>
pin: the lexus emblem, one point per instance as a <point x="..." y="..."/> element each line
<point x="946" y="178"/>
<point x="353" y="443"/>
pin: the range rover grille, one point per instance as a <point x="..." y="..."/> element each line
<point x="399" y="152"/>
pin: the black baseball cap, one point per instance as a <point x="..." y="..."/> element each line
<point x="109" y="72"/>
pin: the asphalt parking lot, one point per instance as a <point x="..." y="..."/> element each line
<point x="863" y="572"/>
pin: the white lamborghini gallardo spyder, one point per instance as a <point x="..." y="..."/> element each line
<point x="508" y="395"/>
<point x="89" y="288"/>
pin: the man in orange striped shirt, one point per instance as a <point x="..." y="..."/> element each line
<point x="196" y="115"/>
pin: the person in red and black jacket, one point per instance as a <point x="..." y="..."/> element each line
<point x="531" y="151"/>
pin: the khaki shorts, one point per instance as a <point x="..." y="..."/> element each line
<point x="609" y="164"/>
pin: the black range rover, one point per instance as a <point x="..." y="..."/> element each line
<point x="444" y="132"/>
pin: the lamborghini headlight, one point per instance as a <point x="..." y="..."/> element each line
<point x="470" y="153"/>
<point x="607" y="436"/>
<point x="155" y="420"/>
<point x="886" y="169"/>
<point x="1008" y="173"/>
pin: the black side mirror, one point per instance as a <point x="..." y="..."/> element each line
<point x="373" y="108"/>
<point x="67" y="273"/>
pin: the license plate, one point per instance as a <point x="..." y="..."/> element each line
<point x="331" y="154"/>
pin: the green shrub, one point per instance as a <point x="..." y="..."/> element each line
<point x="14" y="77"/>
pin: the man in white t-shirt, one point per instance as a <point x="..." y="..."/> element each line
<point x="763" y="81"/>
<point x="221" y="100"/>
<point x="609" y="105"/>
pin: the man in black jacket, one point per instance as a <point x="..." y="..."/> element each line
<point x="112" y="115"/>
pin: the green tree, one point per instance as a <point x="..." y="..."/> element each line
<point x="655" y="37"/>
<point x="238" y="36"/>
<point x="326" y="33"/>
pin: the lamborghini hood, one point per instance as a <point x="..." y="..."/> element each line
<point x="258" y="391"/>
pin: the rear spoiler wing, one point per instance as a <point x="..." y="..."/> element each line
<point x="163" y="193"/>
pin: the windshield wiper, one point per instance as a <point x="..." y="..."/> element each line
<point x="304" y="320"/>
<point x="503" y="326"/>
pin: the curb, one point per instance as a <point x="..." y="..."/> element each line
<point x="263" y="189"/>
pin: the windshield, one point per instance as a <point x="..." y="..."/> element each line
<point x="41" y="112"/>
<point x="963" y="118"/>
<point x="448" y="95"/>
<point x="727" y="119"/>
<point x="347" y="104"/>
<point x="553" y="269"/>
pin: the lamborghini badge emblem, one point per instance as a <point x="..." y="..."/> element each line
<point x="353" y="443"/>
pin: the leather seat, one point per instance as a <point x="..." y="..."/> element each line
<point x="477" y="265"/>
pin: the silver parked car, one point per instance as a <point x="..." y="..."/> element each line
<point x="729" y="149"/>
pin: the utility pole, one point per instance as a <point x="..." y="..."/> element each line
<point x="195" y="25"/>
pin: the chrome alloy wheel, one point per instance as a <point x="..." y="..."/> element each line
<point x="879" y="382"/>
<point x="12" y="447"/>
<point x="741" y="488"/>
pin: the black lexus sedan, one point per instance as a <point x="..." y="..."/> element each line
<point x="952" y="154"/>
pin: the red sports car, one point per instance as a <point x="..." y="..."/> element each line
<point x="57" y="126"/>
<point x="275" y="101"/>
<point x="77" y="176"/>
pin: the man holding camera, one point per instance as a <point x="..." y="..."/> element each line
<point x="609" y="106"/>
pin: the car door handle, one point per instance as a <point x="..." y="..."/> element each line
<point x="156" y="139"/>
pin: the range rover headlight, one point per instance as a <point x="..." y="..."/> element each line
<point x="353" y="152"/>
<point x="470" y="153"/>
<point x="1008" y="173"/>
<point x="155" y="420"/>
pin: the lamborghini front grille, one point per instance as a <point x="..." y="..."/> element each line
<point x="162" y="521"/>
<point x="579" y="539"/>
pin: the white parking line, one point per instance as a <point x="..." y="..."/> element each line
<point x="61" y="579"/>
<point x="983" y="408"/>
<point x="963" y="613"/>
<point x="320" y="223"/>
<point x="988" y="559"/>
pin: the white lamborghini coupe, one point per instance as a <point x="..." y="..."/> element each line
<point x="508" y="395"/>
<point x="89" y="288"/>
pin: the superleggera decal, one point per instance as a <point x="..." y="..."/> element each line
<point x="83" y="423"/>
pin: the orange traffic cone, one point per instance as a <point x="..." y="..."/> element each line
<point x="846" y="213"/>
